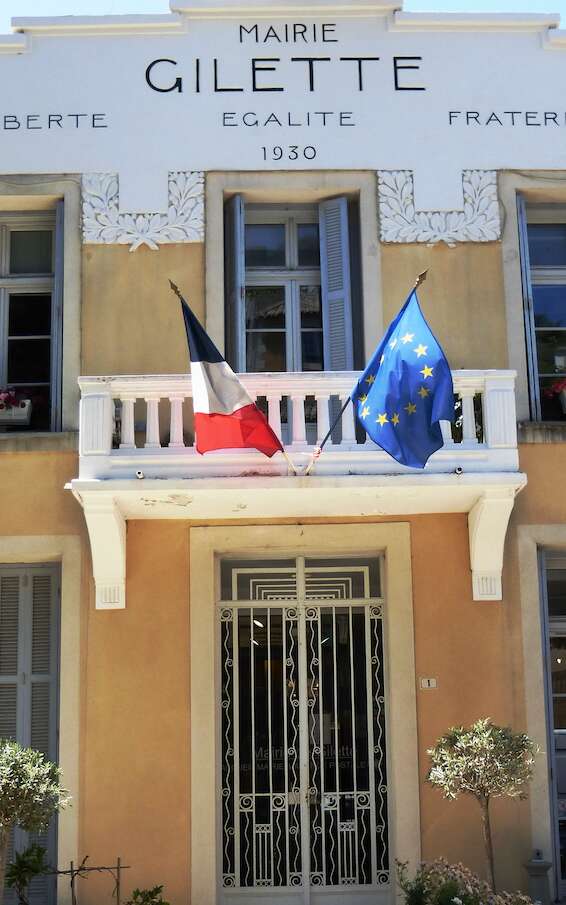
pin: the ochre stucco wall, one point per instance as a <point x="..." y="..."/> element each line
<point x="136" y="760"/>
<point x="33" y="500"/>
<point x="543" y="502"/>
<point x="131" y="321"/>
<point x="462" y="297"/>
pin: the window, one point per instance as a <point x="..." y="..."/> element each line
<point x="291" y="289"/>
<point x="29" y="654"/>
<point x="544" y="277"/>
<point x="30" y="314"/>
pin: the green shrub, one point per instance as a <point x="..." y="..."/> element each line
<point x="21" y="871"/>
<point x="30" y="794"/>
<point x="147" y="897"/>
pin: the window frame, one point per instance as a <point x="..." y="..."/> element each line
<point x="537" y="275"/>
<point x="300" y="188"/>
<point x="22" y="284"/>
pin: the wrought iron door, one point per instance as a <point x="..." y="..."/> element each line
<point x="304" y="787"/>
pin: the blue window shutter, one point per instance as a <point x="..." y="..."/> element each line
<point x="528" y="308"/>
<point x="234" y="282"/>
<point x="336" y="288"/>
<point x="57" y="322"/>
<point x="29" y="670"/>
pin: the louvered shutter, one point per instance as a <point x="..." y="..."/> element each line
<point x="57" y="322"/>
<point x="28" y="686"/>
<point x="335" y="279"/>
<point x="234" y="282"/>
<point x="9" y="654"/>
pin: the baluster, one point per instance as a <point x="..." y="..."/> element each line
<point x="274" y="414"/>
<point x="299" y="433"/>
<point x="127" y="436"/>
<point x="446" y="429"/>
<point x="468" y="417"/>
<point x="176" y="428"/>
<point x="152" y="423"/>
<point x="348" y="423"/>
<point x="322" y="416"/>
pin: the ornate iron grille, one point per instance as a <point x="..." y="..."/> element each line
<point x="304" y="780"/>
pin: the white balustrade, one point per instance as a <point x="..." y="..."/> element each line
<point x="490" y="445"/>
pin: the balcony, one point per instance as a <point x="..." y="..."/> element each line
<point x="138" y="460"/>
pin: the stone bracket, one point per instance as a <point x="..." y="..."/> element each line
<point x="487" y="525"/>
<point x="107" y="533"/>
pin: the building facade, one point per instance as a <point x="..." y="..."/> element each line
<point x="239" y="668"/>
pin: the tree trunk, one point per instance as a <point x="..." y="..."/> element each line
<point x="488" y="842"/>
<point x="4" y="840"/>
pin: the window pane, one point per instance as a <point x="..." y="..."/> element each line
<point x="556" y="592"/>
<point x="30" y="315"/>
<point x="311" y="348"/>
<point x="29" y="360"/>
<point x="551" y="351"/>
<point x="265" y="245"/>
<point x="265" y="307"/>
<point x="558" y="665"/>
<point x="550" y="306"/>
<point x="31" y="251"/>
<point x="308" y="245"/>
<point x="553" y="398"/>
<point x="311" y="306"/>
<point x="547" y="243"/>
<point x="559" y="708"/>
<point x="265" y="352"/>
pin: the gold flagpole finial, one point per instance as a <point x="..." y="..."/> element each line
<point x="175" y="289"/>
<point x="420" y="279"/>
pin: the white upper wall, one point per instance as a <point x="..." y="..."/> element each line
<point x="273" y="85"/>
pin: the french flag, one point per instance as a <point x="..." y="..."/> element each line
<point x="225" y="416"/>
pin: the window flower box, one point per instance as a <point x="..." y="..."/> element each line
<point x="14" y="413"/>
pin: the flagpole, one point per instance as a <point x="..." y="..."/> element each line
<point x="318" y="450"/>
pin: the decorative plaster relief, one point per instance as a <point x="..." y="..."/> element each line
<point x="479" y="221"/>
<point x="103" y="223"/>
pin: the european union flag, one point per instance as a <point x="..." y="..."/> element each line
<point x="406" y="389"/>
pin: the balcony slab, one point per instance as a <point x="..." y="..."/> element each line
<point x="487" y="498"/>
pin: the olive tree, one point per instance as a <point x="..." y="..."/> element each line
<point x="484" y="761"/>
<point x="30" y="794"/>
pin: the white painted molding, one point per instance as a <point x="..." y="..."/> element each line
<point x="104" y="224"/>
<point x="13" y="44"/>
<point x="76" y="25"/>
<point x="479" y="221"/>
<point x="107" y="533"/>
<point x="487" y="527"/>
<point x="272" y="8"/>
<point x="409" y="21"/>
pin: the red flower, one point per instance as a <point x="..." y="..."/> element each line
<point x="556" y="388"/>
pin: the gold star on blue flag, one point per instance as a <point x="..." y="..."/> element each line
<point x="406" y="389"/>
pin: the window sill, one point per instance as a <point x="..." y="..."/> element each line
<point x="542" y="432"/>
<point x="36" y="441"/>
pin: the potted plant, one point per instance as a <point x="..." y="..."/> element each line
<point x="13" y="409"/>
<point x="558" y="390"/>
<point x="484" y="761"/>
